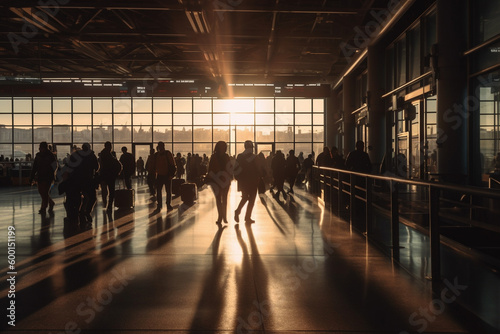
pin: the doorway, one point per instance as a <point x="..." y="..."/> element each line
<point x="141" y="150"/>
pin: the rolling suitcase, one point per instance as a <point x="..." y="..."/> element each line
<point x="176" y="186"/>
<point x="124" y="198"/>
<point x="189" y="193"/>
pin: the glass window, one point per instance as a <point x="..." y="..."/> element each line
<point x="319" y="105"/>
<point x="303" y="105"/>
<point x="202" y="134"/>
<point x="242" y="105"/>
<point x="122" y="105"/>
<point x="264" y="119"/>
<point x="5" y="135"/>
<point x="485" y="20"/>
<point x="122" y="119"/>
<point x="318" y="119"/>
<point x="62" y="134"/>
<point x="101" y="134"/>
<point x="82" y="134"/>
<point x="284" y="119"/>
<point x="82" y="119"/>
<point x="42" y="105"/>
<point x="22" y="135"/>
<point x="62" y="119"/>
<point x="102" y="119"/>
<point x="6" y="120"/>
<point x="162" y="133"/>
<point x="284" y="105"/>
<point x="202" y="105"/>
<point x="221" y="119"/>
<point x="43" y="119"/>
<point x="221" y="133"/>
<point x="61" y="105"/>
<point x="183" y="149"/>
<point x="102" y="105"/>
<point x="183" y="134"/>
<point x="22" y="119"/>
<point x="202" y="119"/>
<point x="242" y="119"/>
<point x="318" y="133"/>
<point x="414" y="52"/>
<point x="22" y="105"/>
<point x="162" y="119"/>
<point x="264" y="133"/>
<point x="305" y="149"/>
<point x="430" y="32"/>
<point x="162" y="105"/>
<point x="183" y="105"/>
<point x="244" y="133"/>
<point x="142" y="119"/>
<point x="122" y="134"/>
<point x="142" y="105"/>
<point x="203" y="149"/>
<point x="183" y="119"/>
<point x="303" y="134"/>
<point x="401" y="62"/>
<point x="143" y="134"/>
<point x="42" y="134"/>
<point x="264" y="105"/>
<point x="5" y="105"/>
<point x="284" y="133"/>
<point x="303" y="119"/>
<point x="82" y="105"/>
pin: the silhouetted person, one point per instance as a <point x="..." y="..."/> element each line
<point x="86" y="172"/>
<point x="219" y="179"/>
<point x="292" y="169"/>
<point x="180" y="162"/>
<point x="308" y="166"/>
<point x="324" y="159"/>
<point x="151" y="169"/>
<point x="496" y="163"/>
<point x="278" y="165"/>
<point x="109" y="170"/>
<point x="358" y="160"/>
<point x="128" y="162"/>
<point x="165" y="170"/>
<point x="337" y="160"/>
<point x="43" y="171"/>
<point x="140" y="167"/>
<point x="247" y="174"/>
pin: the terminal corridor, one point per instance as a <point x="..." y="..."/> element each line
<point x="298" y="269"/>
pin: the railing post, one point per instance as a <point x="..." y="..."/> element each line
<point x="394" y="219"/>
<point x="352" y="198"/>
<point x="369" y="208"/>
<point x="341" y="195"/>
<point x="435" y="238"/>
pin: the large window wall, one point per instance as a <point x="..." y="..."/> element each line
<point x="184" y="124"/>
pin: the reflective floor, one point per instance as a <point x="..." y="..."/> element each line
<point x="298" y="269"/>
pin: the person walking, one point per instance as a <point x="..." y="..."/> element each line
<point x="128" y="162"/>
<point x="324" y="158"/>
<point x="140" y="167"/>
<point x="292" y="168"/>
<point x="109" y="170"/>
<point x="43" y="172"/>
<point x="150" y="168"/>
<point x="278" y="165"/>
<point x="180" y="162"/>
<point x="87" y="171"/>
<point x="219" y="179"/>
<point x="358" y="160"/>
<point x="307" y="166"/>
<point x="165" y="170"/>
<point x="247" y="175"/>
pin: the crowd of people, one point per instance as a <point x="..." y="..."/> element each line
<point x="84" y="172"/>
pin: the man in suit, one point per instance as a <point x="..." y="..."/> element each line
<point x="247" y="174"/>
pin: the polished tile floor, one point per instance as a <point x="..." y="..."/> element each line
<point x="298" y="269"/>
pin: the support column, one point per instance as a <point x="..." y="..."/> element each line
<point x="452" y="114"/>
<point x="331" y="117"/>
<point x="349" y="88"/>
<point x="376" y="106"/>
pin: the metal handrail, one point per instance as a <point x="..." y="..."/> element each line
<point x="347" y="199"/>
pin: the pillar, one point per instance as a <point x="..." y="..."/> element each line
<point x="452" y="100"/>
<point x="376" y="106"/>
<point x="348" y="106"/>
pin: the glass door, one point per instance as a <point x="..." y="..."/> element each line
<point x="141" y="150"/>
<point x="265" y="148"/>
<point x="62" y="151"/>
